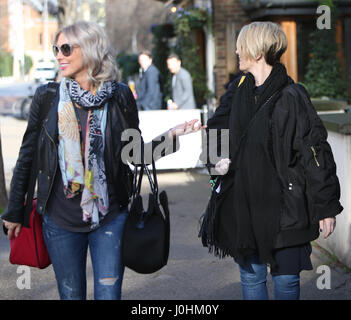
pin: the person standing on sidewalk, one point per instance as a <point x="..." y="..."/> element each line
<point x="182" y="85"/>
<point x="149" y="96"/>
<point x="279" y="187"/>
<point x="83" y="189"/>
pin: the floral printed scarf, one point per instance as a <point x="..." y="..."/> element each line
<point x="88" y="175"/>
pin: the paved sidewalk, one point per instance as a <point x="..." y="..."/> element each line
<point x="192" y="273"/>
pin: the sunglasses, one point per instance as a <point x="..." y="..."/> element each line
<point x="66" y="49"/>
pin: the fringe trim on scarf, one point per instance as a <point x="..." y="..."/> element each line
<point x="207" y="225"/>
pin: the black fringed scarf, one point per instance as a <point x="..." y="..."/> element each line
<point x="243" y="217"/>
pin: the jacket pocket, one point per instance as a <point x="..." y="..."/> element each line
<point x="295" y="212"/>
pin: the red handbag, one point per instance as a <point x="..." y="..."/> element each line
<point x="28" y="248"/>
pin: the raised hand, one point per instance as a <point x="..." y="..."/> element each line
<point x="186" y="128"/>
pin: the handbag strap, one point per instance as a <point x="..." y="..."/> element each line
<point x="138" y="176"/>
<point x="152" y="181"/>
<point x="138" y="181"/>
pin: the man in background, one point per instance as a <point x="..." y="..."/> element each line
<point x="182" y="85"/>
<point x="149" y="96"/>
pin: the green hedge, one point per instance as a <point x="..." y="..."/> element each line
<point x="185" y="23"/>
<point x="128" y="65"/>
<point x="28" y="63"/>
<point x="161" y="35"/>
<point x="6" y="64"/>
<point x="325" y="76"/>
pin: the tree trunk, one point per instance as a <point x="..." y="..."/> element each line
<point x="3" y="192"/>
<point x="68" y="12"/>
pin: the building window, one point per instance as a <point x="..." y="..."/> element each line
<point x="40" y="39"/>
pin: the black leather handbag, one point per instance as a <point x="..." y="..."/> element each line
<point x="146" y="234"/>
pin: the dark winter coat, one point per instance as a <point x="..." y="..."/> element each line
<point x="304" y="162"/>
<point x="149" y="90"/>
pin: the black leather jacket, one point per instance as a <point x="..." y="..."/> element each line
<point x="46" y="136"/>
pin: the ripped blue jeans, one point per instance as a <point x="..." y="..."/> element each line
<point x="68" y="254"/>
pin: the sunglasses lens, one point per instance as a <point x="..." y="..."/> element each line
<point x="66" y="49"/>
<point x="55" y="49"/>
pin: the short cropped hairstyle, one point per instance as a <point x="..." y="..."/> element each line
<point x="96" y="51"/>
<point x="145" y="53"/>
<point x="266" y="38"/>
<point x="173" y="56"/>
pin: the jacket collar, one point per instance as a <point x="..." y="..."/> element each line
<point x="50" y="123"/>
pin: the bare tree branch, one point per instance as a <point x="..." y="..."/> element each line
<point x="124" y="18"/>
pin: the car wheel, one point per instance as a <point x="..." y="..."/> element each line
<point x="25" y="106"/>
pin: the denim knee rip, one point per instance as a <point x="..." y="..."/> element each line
<point x="108" y="281"/>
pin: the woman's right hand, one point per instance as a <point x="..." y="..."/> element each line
<point x="13" y="228"/>
<point x="185" y="128"/>
<point x="222" y="166"/>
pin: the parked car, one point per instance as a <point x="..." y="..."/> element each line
<point x="24" y="107"/>
<point x="45" y="71"/>
<point x="21" y="106"/>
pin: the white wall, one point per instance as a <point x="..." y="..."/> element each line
<point x="155" y="122"/>
<point x="339" y="242"/>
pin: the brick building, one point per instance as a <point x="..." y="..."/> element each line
<point x="228" y="18"/>
<point x="34" y="32"/>
<point x="297" y="18"/>
<point x="4" y="25"/>
<point x="22" y="31"/>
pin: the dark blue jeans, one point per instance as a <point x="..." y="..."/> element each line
<point x="68" y="254"/>
<point x="253" y="277"/>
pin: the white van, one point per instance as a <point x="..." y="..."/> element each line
<point x="45" y="71"/>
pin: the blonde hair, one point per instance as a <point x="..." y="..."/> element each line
<point x="266" y="38"/>
<point x="97" y="53"/>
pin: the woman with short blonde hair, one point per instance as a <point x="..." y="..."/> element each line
<point x="266" y="38"/>
<point x="279" y="186"/>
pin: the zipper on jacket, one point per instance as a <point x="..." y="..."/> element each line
<point x="315" y="155"/>
<point x="53" y="178"/>
<point x="36" y="241"/>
